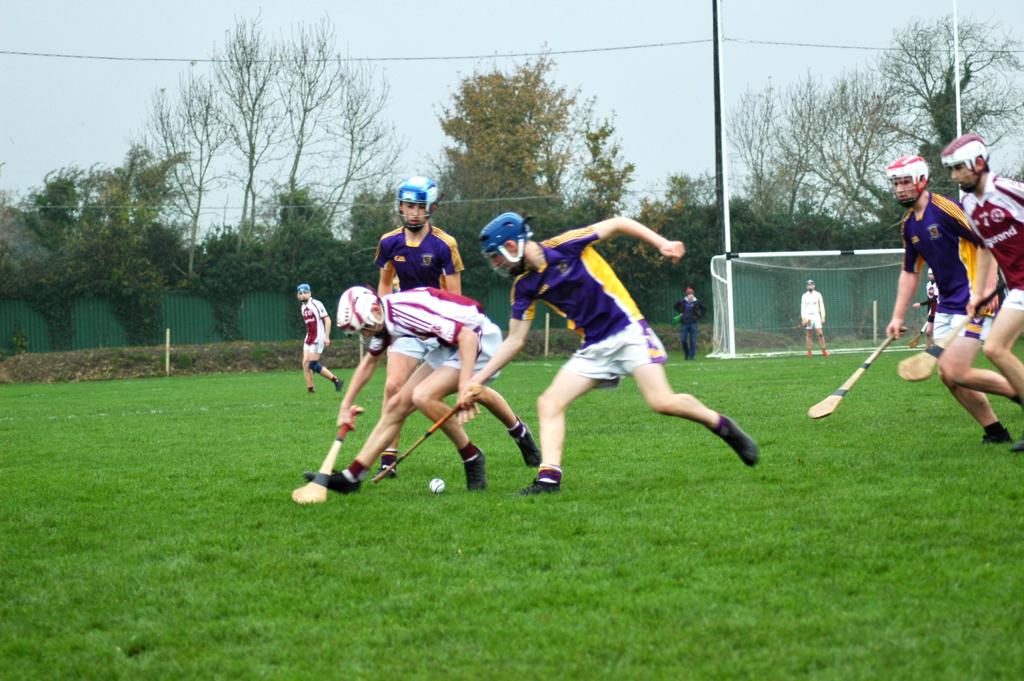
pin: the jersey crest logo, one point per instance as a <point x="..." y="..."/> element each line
<point x="427" y="259"/>
<point x="997" y="215"/>
<point x="933" y="232"/>
<point x="399" y="258"/>
<point x="915" y="239"/>
<point x="563" y="266"/>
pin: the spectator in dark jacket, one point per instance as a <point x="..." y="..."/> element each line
<point x="690" y="311"/>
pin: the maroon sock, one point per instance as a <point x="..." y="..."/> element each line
<point x="469" y="452"/>
<point x="355" y="471"/>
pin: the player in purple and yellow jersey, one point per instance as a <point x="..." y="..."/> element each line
<point x="935" y="232"/>
<point x="420" y="254"/>
<point x="569" y="275"/>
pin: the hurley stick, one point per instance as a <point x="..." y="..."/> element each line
<point x="315" y="492"/>
<point x="920" y="366"/>
<point x="830" y="403"/>
<point x="430" y="431"/>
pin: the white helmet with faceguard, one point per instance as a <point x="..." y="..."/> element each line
<point x="359" y="308"/>
<point x="913" y="167"/>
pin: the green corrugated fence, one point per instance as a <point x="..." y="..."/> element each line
<point x="263" y="316"/>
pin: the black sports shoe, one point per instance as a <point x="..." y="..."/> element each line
<point x="1018" y="446"/>
<point x="336" y="482"/>
<point x="998" y="438"/>
<point x="528" y="447"/>
<point x="538" y="487"/>
<point x="741" y="443"/>
<point x="393" y="473"/>
<point x="337" y="384"/>
<point x="476" y="473"/>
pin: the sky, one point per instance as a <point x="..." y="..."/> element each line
<point x="59" y="112"/>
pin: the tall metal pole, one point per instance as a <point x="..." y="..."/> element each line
<point x="956" y="67"/>
<point x="722" y="177"/>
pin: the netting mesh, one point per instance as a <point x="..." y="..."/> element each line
<point x="859" y="290"/>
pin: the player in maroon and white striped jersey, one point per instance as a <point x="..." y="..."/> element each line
<point x="466" y="341"/>
<point x="995" y="209"/>
<point x="318" y="336"/>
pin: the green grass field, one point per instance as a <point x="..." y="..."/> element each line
<point x="146" y="532"/>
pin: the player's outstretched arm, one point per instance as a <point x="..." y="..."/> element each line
<point x="983" y="278"/>
<point x="469" y="347"/>
<point x="453" y="283"/>
<point x="386" y="279"/>
<point x="905" y="288"/>
<point x="363" y="373"/>
<point x="518" y="329"/>
<point x="674" y="250"/>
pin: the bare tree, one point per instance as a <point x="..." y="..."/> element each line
<point x="338" y="136"/>
<point x="364" y="146"/>
<point x="190" y="131"/>
<point x="848" y="133"/>
<point x="754" y="131"/>
<point x="919" y="71"/>
<point x="246" y="75"/>
<point x="311" y="78"/>
<point x="818" y="143"/>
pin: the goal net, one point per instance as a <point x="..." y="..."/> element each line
<point x="759" y="314"/>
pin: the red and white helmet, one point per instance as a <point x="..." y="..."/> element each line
<point x="914" y="167"/>
<point x="966" y="149"/>
<point x="358" y="308"/>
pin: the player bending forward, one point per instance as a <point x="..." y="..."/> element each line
<point x="568" y="274"/>
<point x="467" y="340"/>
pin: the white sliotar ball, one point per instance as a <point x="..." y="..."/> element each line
<point x="437" y="485"/>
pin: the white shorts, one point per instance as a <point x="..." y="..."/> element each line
<point x="444" y="356"/>
<point x="410" y="346"/>
<point x="813" y="323"/>
<point x="945" y="322"/>
<point x="313" y="348"/>
<point x="1014" y="300"/>
<point x="618" y="355"/>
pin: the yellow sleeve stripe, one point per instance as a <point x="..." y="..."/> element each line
<point x="951" y="209"/>
<point x="453" y="246"/>
<point x="567" y="236"/>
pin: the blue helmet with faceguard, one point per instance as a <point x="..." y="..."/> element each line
<point x="417" y="190"/>
<point x="502" y="229"/>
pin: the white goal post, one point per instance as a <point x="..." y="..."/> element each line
<point x="756" y="299"/>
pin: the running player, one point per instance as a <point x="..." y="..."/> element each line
<point x="568" y="274"/>
<point x="420" y="254"/>
<point x="318" y="336"/>
<point x="935" y="232"/>
<point x="995" y="210"/>
<point x="812" y="317"/>
<point x="466" y="340"/>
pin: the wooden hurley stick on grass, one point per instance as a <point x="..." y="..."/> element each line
<point x="315" y="492"/>
<point x="830" y="403"/>
<point x="920" y="366"/>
